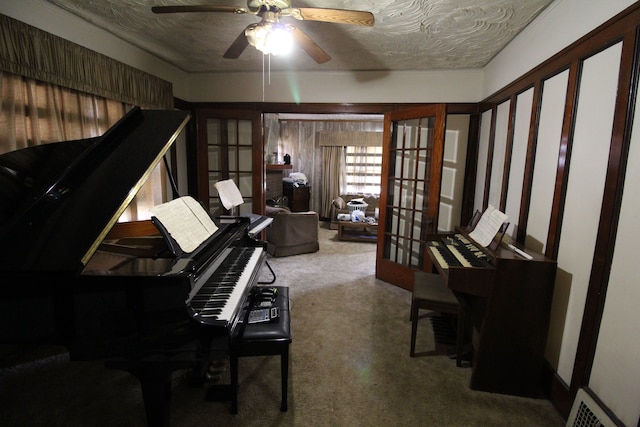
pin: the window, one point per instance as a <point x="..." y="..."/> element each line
<point x="363" y="168"/>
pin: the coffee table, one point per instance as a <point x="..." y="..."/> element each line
<point x="357" y="231"/>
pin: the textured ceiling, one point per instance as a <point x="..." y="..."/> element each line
<point x="407" y="35"/>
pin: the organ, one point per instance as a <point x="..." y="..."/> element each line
<point x="507" y="299"/>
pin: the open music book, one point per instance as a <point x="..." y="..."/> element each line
<point x="185" y="221"/>
<point x="490" y="223"/>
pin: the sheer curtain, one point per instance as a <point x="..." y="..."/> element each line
<point x="55" y="90"/>
<point x="35" y="113"/>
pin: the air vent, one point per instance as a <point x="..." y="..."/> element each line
<point x="585" y="412"/>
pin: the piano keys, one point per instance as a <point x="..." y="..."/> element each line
<point x="219" y="293"/>
<point x="70" y="276"/>
<point x="508" y="301"/>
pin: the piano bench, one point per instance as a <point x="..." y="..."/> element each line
<point x="430" y="293"/>
<point x="264" y="339"/>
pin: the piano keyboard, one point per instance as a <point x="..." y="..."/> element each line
<point x="220" y="292"/>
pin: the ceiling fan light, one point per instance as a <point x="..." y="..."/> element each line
<point x="270" y="39"/>
<point x="279" y="40"/>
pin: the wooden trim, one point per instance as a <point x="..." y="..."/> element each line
<point x="508" y="151"/>
<point x="532" y="145"/>
<point x="564" y="160"/>
<point x="276" y="167"/>
<point x="489" y="160"/>
<point x="610" y="212"/>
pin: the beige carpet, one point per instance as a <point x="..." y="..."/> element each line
<point x="350" y="366"/>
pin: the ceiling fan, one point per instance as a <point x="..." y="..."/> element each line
<point x="269" y="35"/>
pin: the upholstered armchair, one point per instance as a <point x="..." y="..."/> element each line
<point x="292" y="233"/>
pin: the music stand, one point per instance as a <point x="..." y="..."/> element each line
<point x="231" y="198"/>
<point x="229" y="194"/>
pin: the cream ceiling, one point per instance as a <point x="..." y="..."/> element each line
<point x="407" y="35"/>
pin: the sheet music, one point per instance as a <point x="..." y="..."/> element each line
<point x="229" y="194"/>
<point x="488" y="226"/>
<point x="187" y="222"/>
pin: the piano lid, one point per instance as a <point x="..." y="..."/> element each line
<point x="58" y="201"/>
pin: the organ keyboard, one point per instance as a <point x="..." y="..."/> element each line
<point x="118" y="292"/>
<point x="507" y="300"/>
<point x="458" y="251"/>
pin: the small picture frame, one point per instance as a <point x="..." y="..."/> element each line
<point x="498" y="237"/>
<point x="474" y="221"/>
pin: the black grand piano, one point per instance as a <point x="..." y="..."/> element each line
<point x="71" y="276"/>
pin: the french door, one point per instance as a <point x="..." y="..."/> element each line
<point x="410" y="196"/>
<point x="230" y="147"/>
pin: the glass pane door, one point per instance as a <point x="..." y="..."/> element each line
<point x="230" y="147"/>
<point x="412" y="165"/>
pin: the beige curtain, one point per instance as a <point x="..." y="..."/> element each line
<point x="350" y="138"/>
<point x="35" y="113"/>
<point x="308" y="142"/>
<point x="333" y="167"/>
<point x="30" y="52"/>
<point x="55" y="90"/>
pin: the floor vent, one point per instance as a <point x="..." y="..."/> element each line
<point x="586" y="412"/>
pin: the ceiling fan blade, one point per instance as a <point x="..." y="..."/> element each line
<point x="237" y="47"/>
<point x="185" y="9"/>
<point x="338" y="16"/>
<point x="309" y="46"/>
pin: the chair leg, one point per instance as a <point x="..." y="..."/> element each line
<point x="414" y="329"/>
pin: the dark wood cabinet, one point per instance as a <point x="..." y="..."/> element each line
<point x="275" y="174"/>
<point x="298" y="197"/>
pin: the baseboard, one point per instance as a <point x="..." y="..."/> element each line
<point x="556" y="390"/>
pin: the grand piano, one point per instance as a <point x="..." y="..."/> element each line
<point x="72" y="276"/>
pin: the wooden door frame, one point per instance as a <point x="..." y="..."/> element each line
<point x="257" y="153"/>
<point x="386" y="270"/>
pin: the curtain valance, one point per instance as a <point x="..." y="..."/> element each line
<point x="34" y="53"/>
<point x="349" y="138"/>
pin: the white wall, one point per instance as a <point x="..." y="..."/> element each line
<point x="338" y="87"/>
<point x="559" y="25"/>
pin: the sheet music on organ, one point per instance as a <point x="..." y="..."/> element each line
<point x="186" y="221"/>
<point x="489" y="224"/>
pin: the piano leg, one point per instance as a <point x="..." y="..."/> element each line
<point x="155" y="382"/>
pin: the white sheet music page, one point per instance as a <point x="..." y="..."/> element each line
<point x="488" y="226"/>
<point x="187" y="222"/>
<point x="229" y="193"/>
